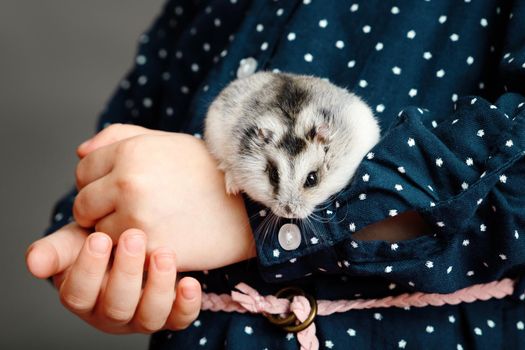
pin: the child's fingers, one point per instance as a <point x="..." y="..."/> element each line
<point x="159" y="292"/>
<point x="111" y="134"/>
<point x="54" y="253"/>
<point x="80" y="289"/>
<point x="95" y="165"/>
<point x="187" y="304"/>
<point x="122" y="293"/>
<point x="94" y="201"/>
<point x="110" y="224"/>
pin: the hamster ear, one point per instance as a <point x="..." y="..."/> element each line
<point x="265" y="135"/>
<point x="322" y="133"/>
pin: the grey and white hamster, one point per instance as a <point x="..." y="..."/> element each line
<point x="288" y="141"/>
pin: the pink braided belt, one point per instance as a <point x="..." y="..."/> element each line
<point x="303" y="308"/>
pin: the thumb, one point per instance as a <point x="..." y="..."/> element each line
<point x="56" y="252"/>
<point x="111" y="134"/>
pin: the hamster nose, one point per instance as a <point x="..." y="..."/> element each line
<point x="287" y="209"/>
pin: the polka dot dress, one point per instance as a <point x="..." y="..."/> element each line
<point x="446" y="79"/>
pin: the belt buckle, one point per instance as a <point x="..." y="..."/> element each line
<point x="289" y="323"/>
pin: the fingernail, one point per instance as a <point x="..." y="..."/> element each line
<point x="99" y="244"/>
<point x="134" y="244"/>
<point x="164" y="262"/>
<point x="189" y="292"/>
<point x="85" y="143"/>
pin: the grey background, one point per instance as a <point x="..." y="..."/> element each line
<point x="59" y="63"/>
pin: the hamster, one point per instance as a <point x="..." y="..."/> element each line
<point x="288" y="141"/>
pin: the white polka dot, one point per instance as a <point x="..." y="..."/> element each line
<point x="195" y="67"/>
<point x="412" y="92"/>
<point x="440" y="73"/>
<point x="483" y="22"/>
<point x="449" y="270"/>
<point x="264" y="46"/>
<point x="478" y="331"/>
<point x="429" y="264"/>
<point x="411" y="142"/>
<point x="141" y="60"/>
<point x="217" y="22"/>
<point x="520" y="325"/>
<point x="185" y="89"/>
<point x="388" y="269"/>
<point x="163" y="53"/>
<point x="427" y="55"/>
<point x="179" y="10"/>
<point x="206" y="47"/>
<point x="366" y="177"/>
<point x="396" y="70"/>
<point x="454" y="37"/>
<point x="394" y="10"/>
<point x="470" y="60"/>
<point x="169" y="111"/>
<point x="454" y="97"/>
<point x="248" y="330"/>
<point x="276" y="253"/>
<point x="380" y="108"/>
<point x="401" y="344"/>
<point x="291" y="36"/>
<point x="279" y="12"/>
<point x="147" y="102"/>
<point x="429" y="329"/>
<point x="411" y="34"/>
<point x="323" y="23"/>
<point x="442" y="19"/>
<point x="351" y="332"/>
<point x="439" y="162"/>
<point x="259" y="27"/>
<point x="379" y="46"/>
<point x="125" y="84"/>
<point x="354" y="7"/>
<point x="203" y="341"/>
<point x="491" y="323"/>
<point x="307" y="2"/>
<point x="339" y="44"/>
<point x="367" y="29"/>
<point x="363" y="83"/>
<point x="308" y="57"/>
<point x="351" y="64"/>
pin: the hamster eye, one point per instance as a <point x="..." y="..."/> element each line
<point x="273" y="173"/>
<point x="311" y="179"/>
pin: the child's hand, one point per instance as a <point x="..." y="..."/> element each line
<point x="168" y="185"/>
<point x="113" y="299"/>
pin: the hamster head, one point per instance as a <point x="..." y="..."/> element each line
<point x="305" y="144"/>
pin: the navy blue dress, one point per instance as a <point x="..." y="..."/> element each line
<point x="445" y="78"/>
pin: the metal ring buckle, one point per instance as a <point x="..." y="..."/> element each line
<point x="288" y="323"/>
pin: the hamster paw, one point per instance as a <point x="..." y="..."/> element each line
<point x="231" y="186"/>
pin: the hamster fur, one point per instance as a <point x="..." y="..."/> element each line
<point x="288" y="141"/>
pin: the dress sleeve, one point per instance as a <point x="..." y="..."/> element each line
<point x="463" y="173"/>
<point x="133" y="102"/>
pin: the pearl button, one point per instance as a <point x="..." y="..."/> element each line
<point x="289" y="237"/>
<point x="247" y="67"/>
